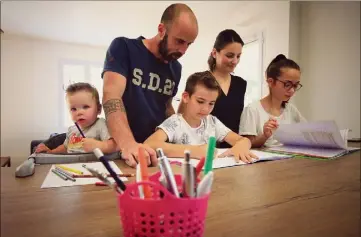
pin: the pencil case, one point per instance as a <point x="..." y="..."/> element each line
<point x="162" y="215"/>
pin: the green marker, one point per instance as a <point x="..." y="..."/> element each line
<point x="208" y="166"/>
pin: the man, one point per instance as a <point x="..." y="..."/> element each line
<point x="141" y="76"/>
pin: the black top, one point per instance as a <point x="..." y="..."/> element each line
<point x="228" y="108"/>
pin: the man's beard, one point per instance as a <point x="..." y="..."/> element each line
<point x="163" y="50"/>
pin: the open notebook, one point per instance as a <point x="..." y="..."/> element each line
<point x="229" y="161"/>
<point x="321" y="139"/>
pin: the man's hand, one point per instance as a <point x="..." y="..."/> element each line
<point x="130" y="154"/>
<point x="42" y="148"/>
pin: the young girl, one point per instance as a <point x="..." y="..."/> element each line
<point x="261" y="118"/>
<point x="84" y="107"/>
<point x="191" y="129"/>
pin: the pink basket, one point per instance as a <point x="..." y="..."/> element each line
<point x="163" y="215"/>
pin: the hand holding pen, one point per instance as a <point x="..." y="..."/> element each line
<point x="269" y="127"/>
<point x="89" y="144"/>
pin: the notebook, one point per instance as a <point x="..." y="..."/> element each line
<point x="321" y="139"/>
<point x="230" y="161"/>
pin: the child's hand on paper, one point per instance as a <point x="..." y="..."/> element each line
<point x="89" y="144"/>
<point x="42" y="148"/>
<point x="240" y="151"/>
<point x="269" y="126"/>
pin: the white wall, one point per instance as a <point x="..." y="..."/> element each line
<point x="271" y="19"/>
<point x="330" y="59"/>
<point x="31" y="89"/>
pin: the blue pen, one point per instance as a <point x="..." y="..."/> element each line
<point x="81" y="132"/>
<point x="99" y="154"/>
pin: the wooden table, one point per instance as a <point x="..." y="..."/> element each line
<point x="293" y="197"/>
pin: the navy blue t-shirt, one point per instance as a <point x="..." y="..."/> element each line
<point x="151" y="83"/>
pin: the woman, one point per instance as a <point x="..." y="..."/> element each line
<point x="261" y="118"/>
<point x="223" y="60"/>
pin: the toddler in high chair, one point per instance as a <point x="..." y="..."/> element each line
<point x="84" y="107"/>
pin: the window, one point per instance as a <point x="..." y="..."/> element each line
<point x="250" y="69"/>
<point x="76" y="71"/>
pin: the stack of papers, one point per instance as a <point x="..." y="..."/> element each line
<point x="318" y="139"/>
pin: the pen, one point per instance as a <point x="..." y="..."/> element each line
<point x="92" y="176"/>
<point x="59" y="174"/>
<point x="144" y="172"/>
<point x="205" y="185"/>
<point x="188" y="176"/>
<point x="138" y="178"/>
<point x="81" y="132"/>
<point x="66" y="174"/>
<point x="100" y="184"/>
<point x="102" y="177"/>
<point x="162" y="180"/>
<point x="99" y="154"/>
<point x="200" y="165"/>
<point x="69" y="169"/>
<point x="210" y="155"/>
<point x="164" y="162"/>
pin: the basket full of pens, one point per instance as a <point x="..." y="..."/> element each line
<point x="164" y="204"/>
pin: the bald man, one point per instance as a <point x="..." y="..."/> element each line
<point x="141" y="77"/>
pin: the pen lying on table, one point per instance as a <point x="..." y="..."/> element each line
<point x="92" y="176"/>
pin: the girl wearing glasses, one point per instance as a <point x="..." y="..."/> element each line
<point x="261" y="118"/>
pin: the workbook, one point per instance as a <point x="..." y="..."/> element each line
<point x="321" y="139"/>
<point x="229" y="161"/>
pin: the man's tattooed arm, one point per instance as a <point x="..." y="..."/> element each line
<point x="112" y="106"/>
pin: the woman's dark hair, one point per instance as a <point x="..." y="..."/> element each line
<point x="274" y="69"/>
<point x="224" y="38"/>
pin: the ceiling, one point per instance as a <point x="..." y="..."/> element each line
<point x="97" y="23"/>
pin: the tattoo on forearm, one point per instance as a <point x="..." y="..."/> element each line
<point x="112" y="106"/>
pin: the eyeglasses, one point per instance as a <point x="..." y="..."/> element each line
<point x="288" y="85"/>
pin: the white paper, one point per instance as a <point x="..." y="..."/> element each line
<point x="53" y="181"/>
<point x="229" y="161"/>
<point x="322" y="134"/>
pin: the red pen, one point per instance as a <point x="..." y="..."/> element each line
<point x="100" y="184"/>
<point x="200" y="165"/>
